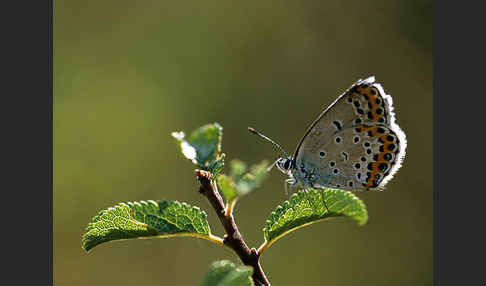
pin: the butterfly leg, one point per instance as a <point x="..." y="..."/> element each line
<point x="291" y="183"/>
<point x="288" y="182"/>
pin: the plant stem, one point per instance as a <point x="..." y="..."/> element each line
<point x="263" y="247"/>
<point x="229" y="207"/>
<point x="233" y="238"/>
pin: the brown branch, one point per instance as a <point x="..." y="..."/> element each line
<point x="233" y="238"/>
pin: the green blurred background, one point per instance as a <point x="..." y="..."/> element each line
<point x="128" y="73"/>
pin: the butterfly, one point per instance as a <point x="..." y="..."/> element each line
<point x="354" y="144"/>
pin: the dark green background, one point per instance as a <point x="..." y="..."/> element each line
<point x="128" y="73"/>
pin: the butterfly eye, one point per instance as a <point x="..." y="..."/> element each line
<point x="287" y="164"/>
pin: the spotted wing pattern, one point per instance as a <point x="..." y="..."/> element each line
<point x="354" y="144"/>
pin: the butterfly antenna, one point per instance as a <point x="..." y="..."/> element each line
<point x="269" y="140"/>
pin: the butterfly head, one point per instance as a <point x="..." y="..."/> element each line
<point x="284" y="164"/>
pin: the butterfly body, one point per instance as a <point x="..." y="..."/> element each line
<point x="354" y="144"/>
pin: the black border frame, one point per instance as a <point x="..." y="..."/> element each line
<point x="28" y="142"/>
<point x="27" y="157"/>
<point x="458" y="163"/>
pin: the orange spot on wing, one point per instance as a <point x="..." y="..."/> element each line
<point x="374" y="171"/>
<point x="372" y="94"/>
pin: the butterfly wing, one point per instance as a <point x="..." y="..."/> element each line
<point x="364" y="156"/>
<point x="332" y="153"/>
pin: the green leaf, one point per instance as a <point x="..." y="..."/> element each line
<point x="238" y="169"/>
<point x="225" y="273"/>
<point x="241" y="183"/>
<point x="203" y="147"/>
<point x="227" y="187"/>
<point x="307" y="207"/>
<point x="217" y="165"/>
<point x="147" y="219"/>
<point x="253" y="179"/>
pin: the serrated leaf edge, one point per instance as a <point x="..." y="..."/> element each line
<point x="290" y="201"/>
<point x="209" y="236"/>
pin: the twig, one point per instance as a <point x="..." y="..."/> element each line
<point x="233" y="238"/>
<point x="230" y="206"/>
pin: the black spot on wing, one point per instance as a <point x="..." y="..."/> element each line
<point x="337" y="124"/>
